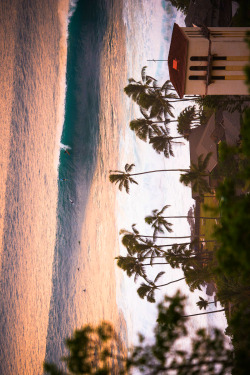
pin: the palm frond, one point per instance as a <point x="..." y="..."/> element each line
<point x="159" y="276"/>
<point x="143" y="73"/>
<point x="149" y="219"/>
<point x="151" y="297"/>
<point x="129" y="167"/>
<point x="163" y="209"/>
<point x="144" y="113"/>
<point x="143" y="290"/>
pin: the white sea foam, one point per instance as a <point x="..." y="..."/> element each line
<point x="72" y="8"/>
<point x="64" y="147"/>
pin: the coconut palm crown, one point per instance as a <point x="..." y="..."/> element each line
<point x="123" y="179"/>
<point x="157" y="222"/>
<point x="197" y="174"/>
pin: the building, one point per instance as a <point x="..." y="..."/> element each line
<point x="208" y="60"/>
<point x="221" y="127"/>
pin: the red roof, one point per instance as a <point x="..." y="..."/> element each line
<point x="177" y="57"/>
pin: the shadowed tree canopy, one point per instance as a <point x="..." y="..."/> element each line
<point x="92" y="349"/>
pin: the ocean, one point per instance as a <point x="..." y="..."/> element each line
<point x="64" y="125"/>
<point x="52" y="249"/>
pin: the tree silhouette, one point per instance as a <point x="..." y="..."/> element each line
<point x="158" y="223"/>
<point x="148" y="290"/>
<point x="202" y="303"/>
<point x="136" y="234"/>
<point x="162" y="142"/>
<point x="197" y="174"/>
<point x="145" y="128"/>
<point x="157" y="218"/>
<point x="198" y="275"/>
<point x="95" y="350"/>
<point x="188" y="119"/>
<point x="92" y="350"/>
<point x="124" y="178"/>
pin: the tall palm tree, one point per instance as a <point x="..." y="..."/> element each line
<point x="131" y="266"/>
<point x="158" y="223"/>
<point x="135" y="234"/>
<point x="157" y="105"/>
<point x="148" y="290"/>
<point x="144" y="128"/>
<point x="135" y="266"/>
<point x="135" y="88"/>
<point x="124" y="178"/>
<point x="157" y="217"/>
<point x="188" y="119"/>
<point x="203" y="304"/>
<point x="162" y="142"/>
<point x="147" y="84"/>
<point x="196" y="277"/>
<point x="197" y="175"/>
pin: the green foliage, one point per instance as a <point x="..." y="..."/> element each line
<point x="92" y="350"/>
<point x="208" y="354"/>
<point x="228" y="103"/>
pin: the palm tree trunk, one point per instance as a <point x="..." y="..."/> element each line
<point x="149" y="264"/>
<point x="205" y="313"/>
<point x="184" y="243"/>
<point x="190" y="217"/>
<point x="171" y="282"/>
<point x="141" y="235"/>
<point x="160" y="170"/>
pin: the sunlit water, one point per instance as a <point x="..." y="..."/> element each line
<point x="59" y="238"/>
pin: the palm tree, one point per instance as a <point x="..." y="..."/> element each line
<point x="128" y="236"/>
<point x="158" y="223"/>
<point x="162" y="142"/>
<point x="156" y="104"/>
<point x="202" y="303"/>
<point x="147" y="84"/>
<point x="157" y="219"/>
<point x="196" y="277"/>
<point x="135" y="88"/>
<point x="124" y="178"/>
<point x="196" y="174"/>
<point x="148" y="290"/>
<point x="187" y="119"/>
<point x="144" y="128"/>
<point x="135" y="266"/>
<point x="131" y="266"/>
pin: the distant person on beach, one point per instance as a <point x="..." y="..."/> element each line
<point x="71" y="201"/>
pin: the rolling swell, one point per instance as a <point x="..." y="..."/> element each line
<point x="81" y="133"/>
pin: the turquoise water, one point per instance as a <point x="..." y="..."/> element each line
<point x="81" y="134"/>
